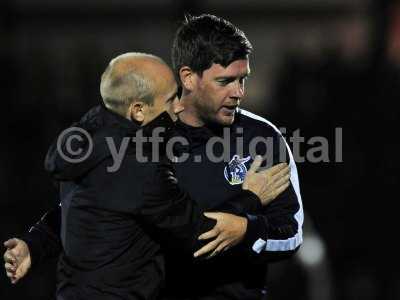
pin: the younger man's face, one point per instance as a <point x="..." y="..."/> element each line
<point x="219" y="91"/>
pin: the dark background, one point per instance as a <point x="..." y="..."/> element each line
<point x="317" y="65"/>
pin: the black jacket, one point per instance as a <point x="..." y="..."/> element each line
<point x="113" y="220"/>
<point x="274" y="232"/>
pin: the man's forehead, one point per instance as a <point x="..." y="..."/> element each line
<point x="238" y="67"/>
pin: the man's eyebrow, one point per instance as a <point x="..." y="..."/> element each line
<point x="232" y="77"/>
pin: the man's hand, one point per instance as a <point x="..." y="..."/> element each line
<point x="228" y="232"/>
<point x="267" y="184"/>
<point x="17" y="259"/>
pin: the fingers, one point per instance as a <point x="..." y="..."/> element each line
<point x="221" y="247"/>
<point x="207" y="248"/>
<point x="255" y="165"/>
<point x="14" y="278"/>
<point x="274" y="170"/>
<point x="11" y="272"/>
<point x="11" y="243"/>
<point x="10" y="268"/>
<point x="209" y="234"/>
<point x="212" y="215"/>
<point x="10" y="275"/>
<point x="220" y="217"/>
<point x="281" y="189"/>
<point x="14" y="273"/>
<point x="8" y="258"/>
<point x="282" y="180"/>
<point x="282" y="173"/>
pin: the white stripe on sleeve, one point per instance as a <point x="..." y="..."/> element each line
<point x="295" y="241"/>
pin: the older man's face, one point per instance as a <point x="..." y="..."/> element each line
<point x="166" y="98"/>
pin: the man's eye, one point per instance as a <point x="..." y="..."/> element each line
<point x="224" y="81"/>
<point x="169" y="100"/>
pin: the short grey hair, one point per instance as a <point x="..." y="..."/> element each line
<point x="119" y="90"/>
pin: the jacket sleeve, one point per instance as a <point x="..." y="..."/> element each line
<point x="175" y="220"/>
<point x="244" y="203"/>
<point x="43" y="238"/>
<point x="275" y="232"/>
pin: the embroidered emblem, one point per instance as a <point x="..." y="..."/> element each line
<point x="236" y="170"/>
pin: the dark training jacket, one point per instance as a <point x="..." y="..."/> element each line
<point x="273" y="233"/>
<point x="112" y="222"/>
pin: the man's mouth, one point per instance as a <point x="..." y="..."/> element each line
<point x="229" y="109"/>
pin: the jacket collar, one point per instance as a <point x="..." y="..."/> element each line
<point x="200" y="135"/>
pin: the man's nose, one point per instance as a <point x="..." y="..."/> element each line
<point x="238" y="90"/>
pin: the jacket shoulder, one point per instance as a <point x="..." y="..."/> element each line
<point x="250" y="120"/>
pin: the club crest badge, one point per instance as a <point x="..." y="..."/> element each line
<point x="236" y="170"/>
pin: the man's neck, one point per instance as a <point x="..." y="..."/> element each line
<point x="189" y="115"/>
<point x="190" y="119"/>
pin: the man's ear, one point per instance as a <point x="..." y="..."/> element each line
<point x="187" y="77"/>
<point x="136" y="111"/>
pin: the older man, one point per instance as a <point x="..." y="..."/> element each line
<point x="112" y="221"/>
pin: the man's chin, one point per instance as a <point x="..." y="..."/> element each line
<point x="226" y="120"/>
